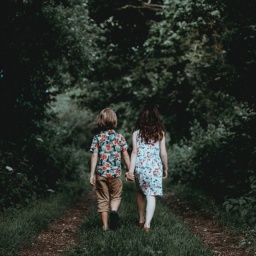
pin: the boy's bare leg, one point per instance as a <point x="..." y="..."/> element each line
<point x="104" y="218"/>
<point x="140" y="206"/>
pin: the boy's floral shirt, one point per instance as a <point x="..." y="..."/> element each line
<point x="109" y="145"/>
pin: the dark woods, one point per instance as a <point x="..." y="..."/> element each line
<point x="194" y="59"/>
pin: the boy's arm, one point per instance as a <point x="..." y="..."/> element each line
<point x="94" y="159"/>
<point x="163" y="155"/>
<point x="126" y="158"/>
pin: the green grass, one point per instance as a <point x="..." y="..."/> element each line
<point x="198" y="199"/>
<point x="231" y="221"/>
<point x="168" y="236"/>
<point x="20" y="227"/>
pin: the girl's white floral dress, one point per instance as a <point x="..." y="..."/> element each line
<point x="148" y="168"/>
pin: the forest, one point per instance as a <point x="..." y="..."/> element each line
<point x="63" y="61"/>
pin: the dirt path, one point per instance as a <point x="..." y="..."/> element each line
<point x="60" y="235"/>
<point x="222" y="241"/>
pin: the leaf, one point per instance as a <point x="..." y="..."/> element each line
<point x="10" y="169"/>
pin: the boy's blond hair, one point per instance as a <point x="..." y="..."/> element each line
<point x="107" y="119"/>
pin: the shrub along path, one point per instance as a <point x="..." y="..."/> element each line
<point x="61" y="235"/>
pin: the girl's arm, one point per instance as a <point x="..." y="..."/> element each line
<point x="163" y="155"/>
<point x="94" y="159"/>
<point x="133" y="156"/>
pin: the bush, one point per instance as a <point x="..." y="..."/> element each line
<point x="187" y="157"/>
<point x="18" y="186"/>
<point x="244" y="206"/>
<point x="220" y="160"/>
<point x="36" y="169"/>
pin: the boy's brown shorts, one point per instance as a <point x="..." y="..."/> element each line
<point x="107" y="191"/>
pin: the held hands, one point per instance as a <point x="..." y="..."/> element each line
<point x="92" y="180"/>
<point x="129" y="176"/>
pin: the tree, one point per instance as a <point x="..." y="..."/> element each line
<point x="45" y="49"/>
<point x="45" y="44"/>
<point x="163" y="66"/>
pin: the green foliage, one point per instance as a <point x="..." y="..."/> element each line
<point x="18" y="186"/>
<point x="194" y="59"/>
<point x="238" y="42"/>
<point x="220" y="161"/>
<point x="37" y="169"/>
<point x="74" y="34"/>
<point x="210" y="107"/>
<point x="184" y="167"/>
<point x="72" y="125"/>
<point x="46" y="44"/>
<point x="126" y="23"/>
<point x="245" y="205"/>
<point x="42" y="163"/>
<point x="163" y="67"/>
<point x="23" y="94"/>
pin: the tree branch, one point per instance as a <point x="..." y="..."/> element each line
<point x="148" y="5"/>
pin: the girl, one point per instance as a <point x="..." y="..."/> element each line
<point x="106" y="148"/>
<point x="148" y="162"/>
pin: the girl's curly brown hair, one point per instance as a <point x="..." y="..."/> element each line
<point x="150" y="124"/>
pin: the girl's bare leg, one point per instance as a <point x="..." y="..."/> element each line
<point x="140" y="206"/>
<point x="150" y="209"/>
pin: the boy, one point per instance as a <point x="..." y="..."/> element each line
<point x="107" y="148"/>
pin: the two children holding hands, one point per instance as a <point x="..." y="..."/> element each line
<point x="148" y="165"/>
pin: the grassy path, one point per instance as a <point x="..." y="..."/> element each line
<point x="221" y="238"/>
<point x="57" y="227"/>
<point x="59" y="235"/>
<point x="21" y="229"/>
<point x="168" y="235"/>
